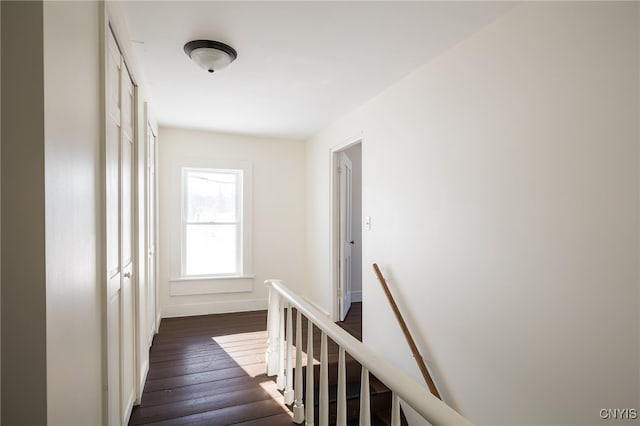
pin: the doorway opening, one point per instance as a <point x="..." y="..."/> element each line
<point x="347" y="232"/>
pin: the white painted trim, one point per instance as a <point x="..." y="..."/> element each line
<point x="334" y="218"/>
<point x="209" y="308"/>
<point x="158" y="320"/>
<point x="143" y="377"/>
<point x="102" y="253"/>
<point x="156" y="219"/>
<point x="242" y="187"/>
<point x="211" y="278"/>
<point x="116" y="18"/>
<point x="129" y="410"/>
<point x="175" y="215"/>
<point x="152" y="332"/>
<point x="151" y="118"/>
<point x="356" y="296"/>
<point x="191" y="286"/>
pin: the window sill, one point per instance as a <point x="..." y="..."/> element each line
<point x="187" y="286"/>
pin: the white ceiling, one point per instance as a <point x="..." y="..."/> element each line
<point x="300" y="65"/>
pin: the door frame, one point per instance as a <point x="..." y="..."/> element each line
<point x="145" y="327"/>
<point x="334" y="220"/>
<point x="152" y="210"/>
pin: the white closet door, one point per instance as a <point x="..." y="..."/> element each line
<point x="112" y="163"/>
<point x="127" y="290"/>
<point x="119" y="158"/>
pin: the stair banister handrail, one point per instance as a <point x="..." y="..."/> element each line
<point x="407" y="334"/>
<point x="416" y="396"/>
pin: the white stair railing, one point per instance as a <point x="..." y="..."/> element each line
<point x="403" y="387"/>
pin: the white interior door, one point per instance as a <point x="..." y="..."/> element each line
<point x="119" y="157"/>
<point x="346" y="237"/>
<point x="151" y="233"/>
<point x="127" y="241"/>
<point x="112" y="165"/>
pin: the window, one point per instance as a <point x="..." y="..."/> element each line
<point x="212" y="222"/>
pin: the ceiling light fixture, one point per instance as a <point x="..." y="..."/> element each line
<point x="210" y="55"/>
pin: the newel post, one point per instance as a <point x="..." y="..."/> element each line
<point x="273" y="332"/>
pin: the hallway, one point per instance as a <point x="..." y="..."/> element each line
<point x="209" y="370"/>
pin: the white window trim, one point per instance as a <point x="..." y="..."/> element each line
<point x="212" y="284"/>
<point x="240" y="221"/>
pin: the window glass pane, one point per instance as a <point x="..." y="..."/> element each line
<point x="211" y="196"/>
<point x="211" y="250"/>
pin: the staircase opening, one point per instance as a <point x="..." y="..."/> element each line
<point x="211" y="370"/>
<point x="380" y="395"/>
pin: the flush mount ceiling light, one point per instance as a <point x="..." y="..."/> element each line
<point x="210" y="55"/>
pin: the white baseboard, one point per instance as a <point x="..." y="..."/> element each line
<point x="158" y="319"/>
<point x="213" y="308"/>
<point x="129" y="408"/>
<point x="356" y="296"/>
<point x="143" y="380"/>
<point x="152" y="333"/>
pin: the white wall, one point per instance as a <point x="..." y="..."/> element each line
<point x="503" y="184"/>
<point x="278" y="213"/>
<point x="72" y="180"/>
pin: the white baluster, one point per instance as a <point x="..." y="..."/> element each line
<point x="288" y="391"/>
<point x="341" y="419"/>
<point x="365" y="402"/>
<point x="395" y="410"/>
<point x="310" y="401"/>
<point x="298" y="405"/>
<point x="280" y="382"/>
<point x="273" y="336"/>
<point x="324" y="382"/>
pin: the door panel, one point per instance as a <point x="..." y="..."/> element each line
<point x="151" y="232"/>
<point x="127" y="318"/>
<point x="127" y="342"/>
<point x="113" y="352"/>
<point x="127" y="201"/>
<point x="346" y="238"/>
<point x="127" y="168"/>
<point x="113" y="79"/>
<point x="112" y="158"/>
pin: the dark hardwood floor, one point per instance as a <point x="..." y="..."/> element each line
<point x="353" y="321"/>
<point x="209" y="370"/>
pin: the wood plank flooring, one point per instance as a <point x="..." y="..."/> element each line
<point x="209" y="370"/>
<point x="353" y="321"/>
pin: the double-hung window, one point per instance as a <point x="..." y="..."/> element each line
<point x="212" y="222"/>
